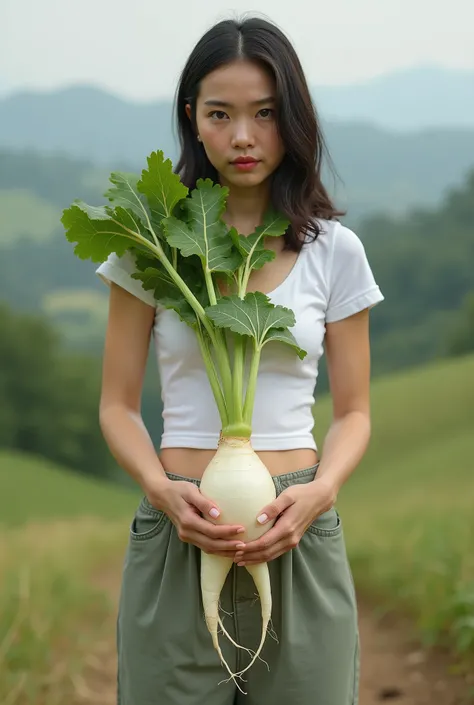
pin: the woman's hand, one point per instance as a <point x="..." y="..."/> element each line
<point x="295" y="509"/>
<point x="183" y="502"/>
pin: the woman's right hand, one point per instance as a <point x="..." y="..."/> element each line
<point x="184" y="503"/>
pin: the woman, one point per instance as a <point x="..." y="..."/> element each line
<point x="243" y="96"/>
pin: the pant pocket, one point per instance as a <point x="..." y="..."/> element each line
<point x="327" y="524"/>
<point x="147" y="522"/>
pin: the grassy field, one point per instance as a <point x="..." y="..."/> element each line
<point x="407" y="511"/>
<point x="52" y="617"/>
<point x="32" y="489"/>
<point x="57" y="530"/>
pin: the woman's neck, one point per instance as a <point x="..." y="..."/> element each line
<point x="246" y="207"/>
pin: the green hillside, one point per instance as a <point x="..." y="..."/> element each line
<point x="34" y="489"/>
<point x="25" y="214"/>
<point x="80" y="314"/>
<point x="422" y="445"/>
<point x="414" y="408"/>
<point x="407" y="509"/>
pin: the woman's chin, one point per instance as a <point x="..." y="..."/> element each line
<point x="246" y="180"/>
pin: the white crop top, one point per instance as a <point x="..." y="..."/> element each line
<point x="330" y="280"/>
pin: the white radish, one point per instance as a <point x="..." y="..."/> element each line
<point x="240" y="485"/>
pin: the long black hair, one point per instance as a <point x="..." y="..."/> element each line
<point x="297" y="190"/>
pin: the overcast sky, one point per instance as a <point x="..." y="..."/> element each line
<point x="136" y="48"/>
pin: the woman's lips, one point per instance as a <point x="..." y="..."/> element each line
<point x="245" y="166"/>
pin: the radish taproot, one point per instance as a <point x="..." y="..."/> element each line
<point x="240" y="484"/>
<point x="187" y="255"/>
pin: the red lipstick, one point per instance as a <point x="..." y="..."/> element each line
<point x="245" y="163"/>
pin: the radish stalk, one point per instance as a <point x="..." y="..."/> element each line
<point x="156" y="219"/>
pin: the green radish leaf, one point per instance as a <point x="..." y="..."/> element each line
<point x="205" y="235"/>
<point x="239" y="241"/>
<point x="216" y="253"/>
<point x="207" y="204"/>
<point x="154" y="277"/>
<point x="166" y="293"/>
<point x="125" y="193"/>
<point x="259" y="258"/>
<point x="285" y="336"/>
<point x="253" y="246"/>
<point x="181" y="211"/>
<point x="163" y="189"/>
<point x="254" y="315"/>
<point x="99" y="231"/>
<point x="94" y="212"/>
<point x="145" y="258"/>
<point x="278" y="317"/>
<point x="274" y="225"/>
<point x="189" y="270"/>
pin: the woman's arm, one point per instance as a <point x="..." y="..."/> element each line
<point x="126" y="348"/>
<point x="348" y="362"/>
<point x="125" y="355"/>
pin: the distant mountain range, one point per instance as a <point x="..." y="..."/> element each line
<point x="86" y="122"/>
<point x="409" y="99"/>
<point x="415" y="99"/>
<point x="380" y="168"/>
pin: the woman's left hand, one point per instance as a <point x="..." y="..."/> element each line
<point x="295" y="509"/>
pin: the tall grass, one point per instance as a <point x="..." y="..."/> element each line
<point x="58" y="529"/>
<point x="51" y="616"/>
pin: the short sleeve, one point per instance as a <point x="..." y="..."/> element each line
<point x="119" y="270"/>
<point x="352" y="286"/>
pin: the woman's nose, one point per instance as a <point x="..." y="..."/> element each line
<point x="243" y="136"/>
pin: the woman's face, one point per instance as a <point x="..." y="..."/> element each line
<point x="235" y="115"/>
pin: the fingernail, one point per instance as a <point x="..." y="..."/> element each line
<point x="214" y="513"/>
<point x="242" y="563"/>
<point x="240" y="545"/>
<point x="240" y="531"/>
<point x="262" y="519"/>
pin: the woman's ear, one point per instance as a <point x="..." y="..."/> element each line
<point x="189" y="114"/>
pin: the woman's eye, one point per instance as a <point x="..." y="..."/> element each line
<point x="218" y="114"/>
<point x="266" y="112"/>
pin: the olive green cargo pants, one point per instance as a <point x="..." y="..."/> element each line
<point x="165" y="653"/>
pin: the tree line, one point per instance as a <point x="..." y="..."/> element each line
<point x="423" y="263"/>
<point x="49" y="398"/>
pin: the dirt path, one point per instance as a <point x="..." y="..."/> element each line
<point x="394" y="668"/>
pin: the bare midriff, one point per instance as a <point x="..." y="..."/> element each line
<point x="191" y="462"/>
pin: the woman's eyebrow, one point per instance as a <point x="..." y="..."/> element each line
<point x="224" y="104"/>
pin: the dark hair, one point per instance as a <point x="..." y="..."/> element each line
<point x="297" y="190"/>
